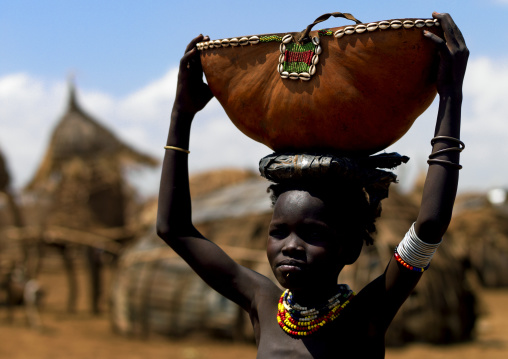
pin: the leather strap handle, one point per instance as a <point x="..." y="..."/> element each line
<point x="304" y="35"/>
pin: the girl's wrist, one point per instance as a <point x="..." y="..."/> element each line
<point x="179" y="129"/>
<point x="453" y="95"/>
<point x="178" y="113"/>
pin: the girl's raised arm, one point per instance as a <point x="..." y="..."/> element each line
<point x="443" y="174"/>
<point x="174" y="222"/>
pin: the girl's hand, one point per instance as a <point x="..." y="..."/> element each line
<point x="192" y="94"/>
<point x="453" y="53"/>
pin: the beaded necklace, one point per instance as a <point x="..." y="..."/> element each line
<point x="299" y="321"/>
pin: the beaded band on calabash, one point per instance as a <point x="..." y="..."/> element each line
<point x="298" y="61"/>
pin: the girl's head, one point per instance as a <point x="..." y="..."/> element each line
<point x="316" y="229"/>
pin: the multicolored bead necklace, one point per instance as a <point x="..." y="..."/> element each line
<point x="299" y="321"/>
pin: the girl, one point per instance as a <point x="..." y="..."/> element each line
<point x="314" y="234"/>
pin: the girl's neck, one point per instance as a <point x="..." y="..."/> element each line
<point x="314" y="297"/>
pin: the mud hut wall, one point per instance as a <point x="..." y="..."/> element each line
<point x="480" y="237"/>
<point x="442" y="300"/>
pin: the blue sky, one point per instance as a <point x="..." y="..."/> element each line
<point x="124" y="55"/>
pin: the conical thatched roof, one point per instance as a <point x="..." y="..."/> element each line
<point x="78" y="135"/>
<point x="80" y="182"/>
<point x="4" y="174"/>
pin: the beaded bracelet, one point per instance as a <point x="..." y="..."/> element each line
<point x="410" y="267"/>
<point x="413" y="253"/>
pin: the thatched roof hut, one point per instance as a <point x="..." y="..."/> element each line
<point x="479" y="233"/>
<point x="12" y="251"/>
<point x="81" y="180"/>
<point x="155" y="291"/>
<point x="8" y="205"/>
<point x="5" y="178"/>
<point x="79" y="196"/>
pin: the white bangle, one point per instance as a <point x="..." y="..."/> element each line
<point x="414" y="251"/>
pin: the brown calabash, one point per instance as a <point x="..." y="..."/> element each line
<point x="367" y="91"/>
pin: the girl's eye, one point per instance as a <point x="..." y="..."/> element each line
<point x="277" y="233"/>
<point x="317" y="234"/>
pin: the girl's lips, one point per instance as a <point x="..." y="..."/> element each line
<point x="289" y="268"/>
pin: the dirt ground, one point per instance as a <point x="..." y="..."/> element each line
<point x="82" y="335"/>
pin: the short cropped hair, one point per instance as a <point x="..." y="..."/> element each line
<point x="348" y="201"/>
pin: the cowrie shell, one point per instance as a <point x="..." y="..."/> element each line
<point x="360" y="29"/>
<point x="253" y="40"/>
<point x="408" y="24"/>
<point x="372" y="26"/>
<point x="349" y="30"/>
<point x="396" y="24"/>
<point x="339" y="33"/>
<point x="305" y="76"/>
<point x="287" y="39"/>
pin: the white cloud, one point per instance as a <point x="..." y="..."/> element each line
<point x="30" y="107"/>
<point x="484" y="128"/>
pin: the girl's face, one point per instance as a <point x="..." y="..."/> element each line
<point x="305" y="248"/>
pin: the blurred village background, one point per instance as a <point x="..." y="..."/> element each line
<point x="82" y="272"/>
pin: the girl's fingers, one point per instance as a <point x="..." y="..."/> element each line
<point x="452" y="33"/>
<point x="440" y="43"/>
<point x="193" y="43"/>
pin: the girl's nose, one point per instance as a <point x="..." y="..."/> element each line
<point x="293" y="243"/>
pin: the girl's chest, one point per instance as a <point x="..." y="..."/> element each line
<point x="348" y="334"/>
